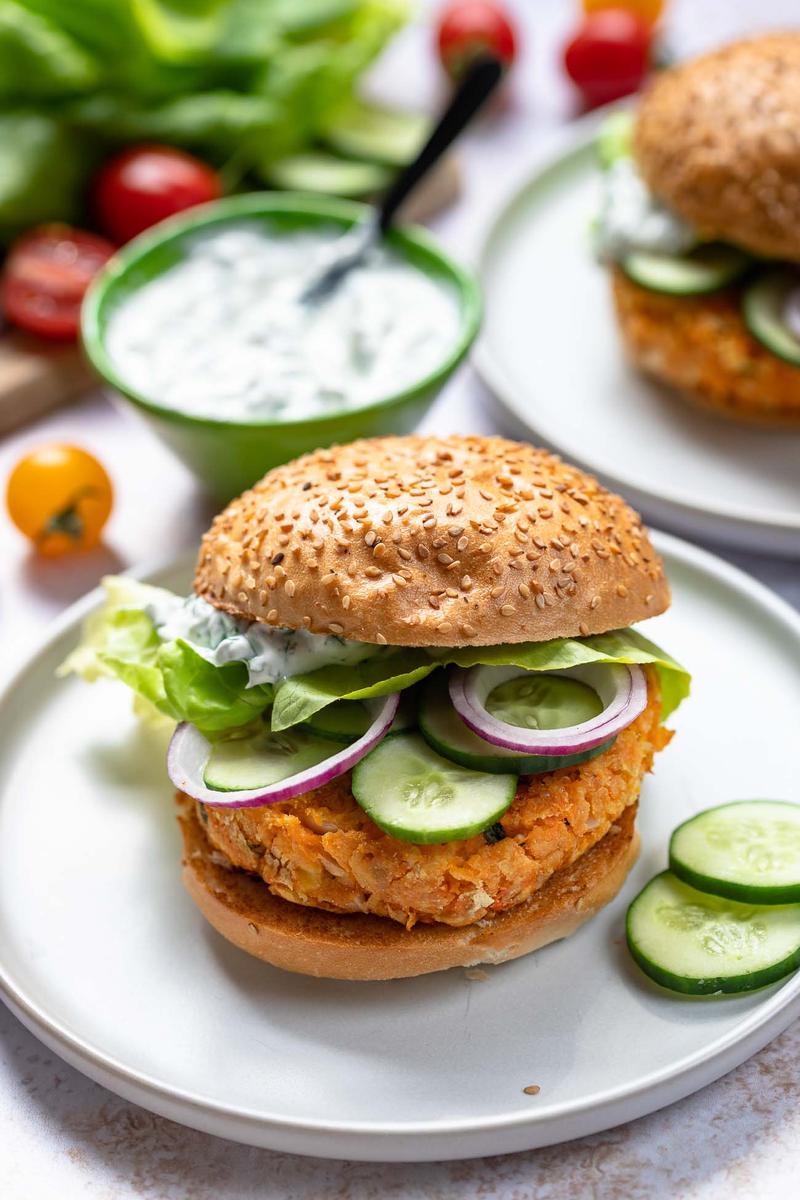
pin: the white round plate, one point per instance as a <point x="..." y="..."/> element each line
<point x="551" y="356"/>
<point x="104" y="957"/>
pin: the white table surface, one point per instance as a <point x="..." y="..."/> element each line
<point x="62" y="1135"/>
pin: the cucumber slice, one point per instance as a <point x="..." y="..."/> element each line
<point x="324" y="173"/>
<point x="446" y="733"/>
<point x="698" y="944"/>
<point x="392" y="137"/>
<point x="238" y="764"/>
<point x="707" y="268"/>
<point x="541" y="701"/>
<point x="762" y="308"/>
<point x="413" y="794"/>
<point x="748" y="850"/>
<point x="343" y="721"/>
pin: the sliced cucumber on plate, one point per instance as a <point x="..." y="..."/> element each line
<point x="748" y="850"/>
<point x="392" y="137"/>
<point x="414" y="794"/>
<point x="239" y="764"/>
<point x="707" y="268"/>
<point x="317" y="171"/>
<point x="698" y="944"/>
<point x="446" y="733"/>
<point x="764" y="307"/>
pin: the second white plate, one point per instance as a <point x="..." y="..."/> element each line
<point x="551" y="355"/>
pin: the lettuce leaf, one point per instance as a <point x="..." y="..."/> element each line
<point x="243" y="82"/>
<point x="120" y="642"/>
<point x="618" y="646"/>
<point x="172" y="678"/>
<point x="298" y="698"/>
<point x="212" y="698"/>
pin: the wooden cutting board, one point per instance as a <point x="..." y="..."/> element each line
<point x="36" y="377"/>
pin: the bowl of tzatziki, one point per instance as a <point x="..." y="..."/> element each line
<point x="202" y="325"/>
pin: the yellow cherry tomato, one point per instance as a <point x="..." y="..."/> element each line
<point x="60" y="497"/>
<point x="648" y="10"/>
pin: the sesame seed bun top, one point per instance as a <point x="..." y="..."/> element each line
<point x="718" y="141"/>
<point x="416" y="541"/>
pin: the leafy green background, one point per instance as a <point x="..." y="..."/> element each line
<point x="242" y="82"/>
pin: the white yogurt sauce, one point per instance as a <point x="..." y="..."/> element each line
<point x="224" y="333"/>
<point x="270" y="654"/>
<point x="632" y="219"/>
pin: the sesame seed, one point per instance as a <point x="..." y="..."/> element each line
<point x="422" y="551"/>
<point x="380" y="638"/>
<point x="462" y="544"/>
<point x="336" y="628"/>
<point x="466" y="582"/>
<point x="583" y="629"/>
<point x="445" y="559"/>
<point x="621" y="590"/>
<point x="373" y="572"/>
<point x="272" y="615"/>
<point x="507" y="610"/>
<point x="404" y="554"/>
<point x="594" y="602"/>
<point x="467" y="631"/>
<point x="346" y="602"/>
<point x="289" y="587"/>
<point x="524" y="591"/>
<point x="452" y="593"/>
<point x="540" y="601"/>
<point x="279" y="557"/>
<point x="496" y="591"/>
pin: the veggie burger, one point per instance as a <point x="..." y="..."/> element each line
<point x="413" y="720"/>
<point x="700" y="225"/>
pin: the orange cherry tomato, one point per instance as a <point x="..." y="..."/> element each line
<point x="647" y="10"/>
<point x="60" y="497"/>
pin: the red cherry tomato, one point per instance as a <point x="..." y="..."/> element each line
<point x="45" y="276"/>
<point x="145" y="184"/>
<point x="469" y="28"/>
<point x="609" y="55"/>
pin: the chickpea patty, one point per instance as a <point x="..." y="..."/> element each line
<point x="701" y="346"/>
<point x="323" y="850"/>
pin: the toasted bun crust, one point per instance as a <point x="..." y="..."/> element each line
<point x="701" y="346"/>
<point x="312" y="942"/>
<point x="417" y="541"/>
<point x="718" y="140"/>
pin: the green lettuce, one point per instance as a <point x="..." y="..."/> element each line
<point x="242" y="82"/>
<point x="299" y="698"/>
<point x="615" y="138"/>
<point x="173" y="679"/>
<point x="169" y="678"/>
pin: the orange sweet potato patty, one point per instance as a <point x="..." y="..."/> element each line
<point x="322" y="850"/>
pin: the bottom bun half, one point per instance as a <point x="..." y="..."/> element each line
<point x="310" y="941"/>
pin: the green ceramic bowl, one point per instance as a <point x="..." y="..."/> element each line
<point x="228" y="456"/>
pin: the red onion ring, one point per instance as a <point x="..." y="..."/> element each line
<point x="791" y="311"/>
<point x="623" y="690"/>
<point x="189" y="750"/>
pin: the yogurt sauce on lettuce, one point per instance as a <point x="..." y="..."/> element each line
<point x="225" y="334"/>
<point x="631" y="218"/>
<point x="270" y="654"/>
